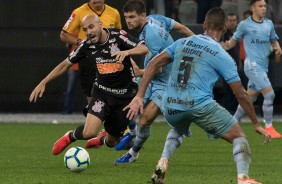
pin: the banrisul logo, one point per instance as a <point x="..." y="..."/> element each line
<point x="258" y="41"/>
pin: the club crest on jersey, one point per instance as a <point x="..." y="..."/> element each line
<point x="97" y="107"/>
<point x="123" y="32"/>
<point x="114" y="48"/>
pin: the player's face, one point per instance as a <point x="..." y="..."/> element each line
<point x="133" y="20"/>
<point x="93" y="30"/>
<point x="97" y="3"/>
<point x="259" y="8"/>
<point x="231" y="22"/>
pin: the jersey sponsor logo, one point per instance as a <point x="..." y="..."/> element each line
<point x="173" y="112"/>
<point x="114" y="48"/>
<point x="107" y="68"/>
<point x="257" y="41"/>
<point x="182" y="86"/>
<point x="180" y="101"/>
<point x="98" y="105"/>
<point x="67" y="24"/>
<point x="112" y="90"/>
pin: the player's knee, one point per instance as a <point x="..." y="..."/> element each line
<point x="143" y="131"/>
<point x="175" y="137"/>
<point x="111" y="142"/>
<point x="145" y="120"/>
<point x="268" y="98"/>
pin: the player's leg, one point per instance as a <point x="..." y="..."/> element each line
<point x="115" y="123"/>
<point x="143" y="131"/>
<point x="267" y="107"/>
<point x="240" y="111"/>
<point x="218" y="122"/>
<point x="179" y="123"/>
<point x="126" y="140"/>
<point x="82" y="132"/>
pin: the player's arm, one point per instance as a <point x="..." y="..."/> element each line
<point x="137" y="71"/>
<point x="246" y="103"/>
<point x="277" y="49"/>
<point x="57" y="71"/>
<point x="180" y="28"/>
<point x="136" y="105"/>
<point x="229" y="44"/>
<point x="140" y="49"/>
<point x="69" y="38"/>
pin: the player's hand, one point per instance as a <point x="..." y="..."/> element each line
<point x="135" y="107"/>
<point x="262" y="131"/>
<point x="224" y="45"/>
<point x="120" y="55"/>
<point x="37" y="92"/>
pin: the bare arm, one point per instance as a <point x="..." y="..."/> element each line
<point x="138" y="50"/>
<point x="69" y="38"/>
<point x="246" y="103"/>
<point x="136" y="105"/>
<point x="277" y="49"/>
<point x="56" y="72"/>
<point x="182" y="29"/>
<point x="229" y="44"/>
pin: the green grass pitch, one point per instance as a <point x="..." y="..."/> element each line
<point x="26" y="158"/>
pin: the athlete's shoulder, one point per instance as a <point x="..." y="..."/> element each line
<point x="112" y="9"/>
<point x="82" y="8"/>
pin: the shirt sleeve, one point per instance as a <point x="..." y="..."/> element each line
<point x="273" y="35"/>
<point x="128" y="41"/>
<point x="239" y="33"/>
<point x="73" y="23"/>
<point x="226" y="67"/>
<point x="76" y="55"/>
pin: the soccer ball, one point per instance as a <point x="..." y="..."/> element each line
<point x="76" y="159"/>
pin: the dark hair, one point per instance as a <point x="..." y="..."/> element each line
<point x="232" y="14"/>
<point x="215" y="19"/>
<point x="248" y="12"/>
<point x="253" y="1"/>
<point x="134" y="5"/>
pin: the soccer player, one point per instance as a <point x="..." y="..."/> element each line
<point x="73" y="34"/>
<point x="154" y="30"/>
<point x="259" y="35"/>
<point x="197" y="63"/>
<point x="114" y="87"/>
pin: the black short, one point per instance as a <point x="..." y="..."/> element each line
<point x="110" y="110"/>
<point x="87" y="75"/>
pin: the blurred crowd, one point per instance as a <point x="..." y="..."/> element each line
<point x="196" y="9"/>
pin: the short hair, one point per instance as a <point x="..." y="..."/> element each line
<point x="134" y="5"/>
<point x="253" y="2"/>
<point x="248" y="12"/>
<point x="215" y="19"/>
<point x="232" y="14"/>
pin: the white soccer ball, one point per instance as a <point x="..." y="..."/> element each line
<point x="76" y="159"/>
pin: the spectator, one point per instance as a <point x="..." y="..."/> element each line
<point x="229" y="101"/>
